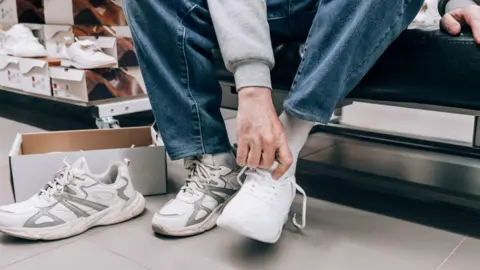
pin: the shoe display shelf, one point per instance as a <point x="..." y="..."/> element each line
<point x="102" y="111"/>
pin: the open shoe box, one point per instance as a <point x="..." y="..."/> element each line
<point x="96" y="84"/>
<point x="85" y="12"/>
<point x="34" y="158"/>
<point x="23" y="11"/>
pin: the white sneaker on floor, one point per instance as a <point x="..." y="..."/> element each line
<point x="73" y="202"/>
<point x="85" y="54"/>
<point x="210" y="185"/>
<point x="21" y="42"/>
<point x="261" y="207"/>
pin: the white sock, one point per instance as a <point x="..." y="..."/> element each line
<point x="220" y="159"/>
<point x="297" y="131"/>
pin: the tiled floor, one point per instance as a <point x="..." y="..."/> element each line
<point x="336" y="237"/>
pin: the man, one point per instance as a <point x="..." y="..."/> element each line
<point x="175" y="40"/>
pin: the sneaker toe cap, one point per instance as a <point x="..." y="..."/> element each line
<point x="173" y="215"/>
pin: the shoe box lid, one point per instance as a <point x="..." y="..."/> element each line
<point x="28" y="64"/>
<point x="68" y="74"/>
<point x="7" y="60"/>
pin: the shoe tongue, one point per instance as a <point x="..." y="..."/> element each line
<point x="222" y="159"/>
<point x="81" y="165"/>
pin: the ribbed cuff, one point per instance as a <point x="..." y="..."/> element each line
<point x="445" y="6"/>
<point x="252" y="74"/>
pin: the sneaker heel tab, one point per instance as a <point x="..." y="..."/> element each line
<point x="126" y="161"/>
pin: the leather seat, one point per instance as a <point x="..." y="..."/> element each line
<point x="426" y="67"/>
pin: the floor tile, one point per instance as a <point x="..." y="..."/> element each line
<point x="78" y="255"/>
<point x="13" y="249"/>
<point x="465" y="256"/>
<point x="333" y="233"/>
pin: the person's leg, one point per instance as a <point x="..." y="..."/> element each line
<point x="174" y="42"/>
<point x="345" y="39"/>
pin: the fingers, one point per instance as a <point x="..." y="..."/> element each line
<point x="254" y="154"/>
<point x="451" y="25"/>
<point x="242" y="152"/>
<point x="285" y="160"/>
<point x="268" y="155"/>
<point x="472" y="17"/>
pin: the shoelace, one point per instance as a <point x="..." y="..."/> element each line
<point x="65" y="176"/>
<point x="199" y="175"/>
<point x="259" y="175"/>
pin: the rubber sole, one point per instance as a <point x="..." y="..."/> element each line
<point x="209" y="223"/>
<point x="106" y="217"/>
<point x="230" y="224"/>
<point x="68" y="63"/>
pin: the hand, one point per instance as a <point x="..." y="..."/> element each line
<point x="453" y="21"/>
<point x="261" y="138"/>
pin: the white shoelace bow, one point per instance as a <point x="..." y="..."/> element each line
<point x="63" y="177"/>
<point x="259" y="175"/>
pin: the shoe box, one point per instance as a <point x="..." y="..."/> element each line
<point x="10" y="75"/>
<point x="35" y="75"/>
<point x="85" y="12"/>
<point x="22" y="11"/>
<point x="114" y="41"/>
<point x="34" y="158"/>
<point x="96" y="84"/>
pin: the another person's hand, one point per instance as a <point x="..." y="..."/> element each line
<point x="261" y="137"/>
<point x="469" y="16"/>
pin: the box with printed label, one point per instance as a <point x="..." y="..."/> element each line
<point x="86" y="12"/>
<point x="35" y="158"/>
<point x="96" y="84"/>
<point x="8" y="12"/>
<point x="10" y="75"/>
<point x="35" y="76"/>
<point x="55" y="38"/>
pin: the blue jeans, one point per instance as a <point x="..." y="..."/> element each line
<point x="175" y="39"/>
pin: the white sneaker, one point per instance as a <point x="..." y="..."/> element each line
<point x="261" y="207"/>
<point x="209" y="187"/>
<point x="21" y="42"/>
<point x="85" y="54"/>
<point x="73" y="202"/>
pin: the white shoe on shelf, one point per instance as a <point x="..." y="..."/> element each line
<point x="261" y="207"/>
<point x="85" y="54"/>
<point x="20" y="42"/>
<point x="209" y="187"/>
<point x="74" y="201"/>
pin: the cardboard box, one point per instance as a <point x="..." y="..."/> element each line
<point x="35" y="76"/>
<point x="55" y="37"/>
<point x="10" y="75"/>
<point x="96" y="84"/>
<point x="84" y="12"/>
<point x="8" y="12"/>
<point x="34" y="158"/>
<point x="22" y="11"/>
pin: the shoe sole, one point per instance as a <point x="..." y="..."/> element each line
<point x="109" y="216"/>
<point x="68" y="63"/>
<point x="230" y="224"/>
<point x="26" y="55"/>
<point x="209" y="223"/>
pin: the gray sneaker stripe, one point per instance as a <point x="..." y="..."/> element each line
<point x="77" y="211"/>
<point x="197" y="206"/>
<point x="97" y="206"/>
<point x="30" y="223"/>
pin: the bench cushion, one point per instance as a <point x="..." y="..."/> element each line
<point x="426" y="67"/>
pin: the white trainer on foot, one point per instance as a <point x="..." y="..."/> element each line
<point x="261" y="207"/>
<point x="210" y="185"/>
<point x="73" y="202"/>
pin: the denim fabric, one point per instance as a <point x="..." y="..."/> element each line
<point x="175" y="39"/>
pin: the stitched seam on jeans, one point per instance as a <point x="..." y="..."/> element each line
<point x="380" y="42"/>
<point x="184" y="37"/>
<point x="188" y="12"/>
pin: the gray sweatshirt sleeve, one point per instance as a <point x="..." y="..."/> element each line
<point x="243" y="34"/>
<point x="445" y="6"/>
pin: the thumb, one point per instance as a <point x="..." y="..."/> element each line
<point x="285" y="160"/>
<point x="451" y="25"/>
